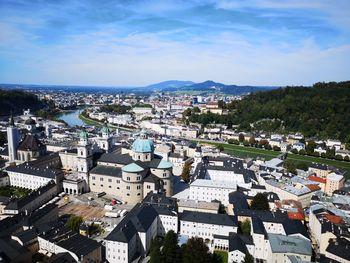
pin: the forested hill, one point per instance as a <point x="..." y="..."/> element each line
<point x="16" y="101"/>
<point x="322" y="110"/>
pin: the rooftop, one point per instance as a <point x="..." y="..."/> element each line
<point x="288" y="244"/>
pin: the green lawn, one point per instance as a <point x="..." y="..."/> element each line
<point x="14" y="191"/>
<point x="223" y="255"/>
<point x="243" y="152"/>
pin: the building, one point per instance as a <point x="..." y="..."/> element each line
<point x="281" y="247"/>
<point x="334" y="182"/>
<point x="132" y="176"/>
<point x="206" y="225"/>
<point x="130" y="240"/>
<point x="32" y="201"/>
<point x="62" y="240"/>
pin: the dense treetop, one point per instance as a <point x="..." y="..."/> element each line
<point x="321" y="110"/>
<point x="16" y="101"/>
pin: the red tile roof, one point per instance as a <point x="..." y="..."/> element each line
<point x="317" y="179"/>
<point x="334" y="219"/>
<point x="313" y="187"/>
<point x="296" y="215"/>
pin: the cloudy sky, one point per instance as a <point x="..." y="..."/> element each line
<point x="134" y="43"/>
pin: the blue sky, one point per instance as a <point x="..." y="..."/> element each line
<point x="134" y="43"/>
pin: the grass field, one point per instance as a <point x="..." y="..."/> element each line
<point x="244" y="152"/>
<point x="223" y="255"/>
<point x="14" y="191"/>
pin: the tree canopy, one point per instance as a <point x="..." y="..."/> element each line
<point x="321" y="110"/>
<point x="260" y="202"/>
<point x="73" y="223"/>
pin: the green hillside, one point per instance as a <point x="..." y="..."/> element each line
<point x="321" y="110"/>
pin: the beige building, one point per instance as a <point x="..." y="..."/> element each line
<point x="334" y="182"/>
<point x="198" y="206"/>
<point x="132" y="176"/>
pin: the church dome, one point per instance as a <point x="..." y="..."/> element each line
<point x="83" y="135"/>
<point x="105" y="129"/>
<point x="143" y="146"/>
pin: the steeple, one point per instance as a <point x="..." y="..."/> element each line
<point x="12" y="122"/>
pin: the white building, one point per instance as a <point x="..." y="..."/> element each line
<point x="209" y="190"/>
<point x="206" y="225"/>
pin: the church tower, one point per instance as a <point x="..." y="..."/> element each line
<point x="106" y="139"/>
<point x="12" y="139"/>
<point x="84" y="158"/>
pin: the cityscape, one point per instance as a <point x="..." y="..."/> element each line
<point x="141" y="131"/>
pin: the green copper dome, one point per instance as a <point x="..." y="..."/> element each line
<point x="83" y="135"/>
<point x="132" y="168"/>
<point x="105" y="129"/>
<point x="143" y="146"/>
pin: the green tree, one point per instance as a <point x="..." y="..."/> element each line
<point x="241" y="137"/>
<point x="338" y="157"/>
<point x="155" y="254"/>
<point x="346" y="158"/>
<point x="196" y="251"/>
<point x="276" y="148"/>
<point x="302" y="166"/>
<point x="252" y="140"/>
<point x="248" y="258"/>
<point x="170" y="248"/>
<point x="220" y="148"/>
<point x="290" y="166"/>
<point x="74" y="222"/>
<point x="245" y="227"/>
<point x="260" y="202"/>
<point x="185" y="175"/>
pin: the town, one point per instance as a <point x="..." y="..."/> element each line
<point x="131" y="177"/>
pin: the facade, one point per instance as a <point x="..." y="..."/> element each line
<point x="63" y="240"/>
<point x="334" y="182"/>
<point x="130" y="240"/>
<point x="132" y="176"/>
<point x="30" y="177"/>
<point x="206" y="225"/>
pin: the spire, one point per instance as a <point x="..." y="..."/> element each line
<point x="12" y="122"/>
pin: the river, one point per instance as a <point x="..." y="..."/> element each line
<point x="72" y="117"/>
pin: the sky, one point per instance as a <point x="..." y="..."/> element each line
<point x="136" y="43"/>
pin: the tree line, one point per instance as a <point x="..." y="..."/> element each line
<point x="320" y="111"/>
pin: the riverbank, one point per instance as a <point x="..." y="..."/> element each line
<point x="89" y="121"/>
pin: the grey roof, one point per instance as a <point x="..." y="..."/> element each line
<point x="31" y="143"/>
<point x="107" y="170"/>
<point x="286" y="244"/>
<point x="236" y="243"/>
<point x="18" y="204"/>
<point x="70" y="240"/>
<point x="139" y="219"/>
<point x="36" y="171"/>
<point x="11" y="251"/>
<point x="62" y="258"/>
<point x="115" y="158"/>
<point x="208" y="218"/>
<point x="26" y="236"/>
<point x="340" y="247"/>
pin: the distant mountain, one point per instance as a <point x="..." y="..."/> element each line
<point x="210" y="86"/>
<point x="170" y="84"/>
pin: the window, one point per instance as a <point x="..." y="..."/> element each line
<point x="118" y="181"/>
<point x="138" y="178"/>
<point x="93" y="178"/>
<point x="138" y="187"/>
<point x="109" y="180"/>
<point x="101" y="178"/>
<point x="109" y="186"/>
<point x="101" y="185"/>
<point x="148" y="187"/>
<point x="128" y="178"/>
<point x="127" y="187"/>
